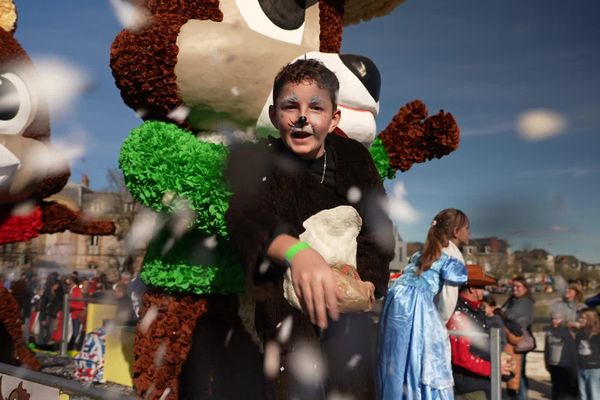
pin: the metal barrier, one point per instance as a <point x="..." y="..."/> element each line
<point x="64" y="385"/>
<point x="494" y="336"/>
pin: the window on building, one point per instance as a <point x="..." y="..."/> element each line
<point x="94" y="240"/>
<point x="92" y="265"/>
<point x="97" y="206"/>
<point x="128" y="206"/>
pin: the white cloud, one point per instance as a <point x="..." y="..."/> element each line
<point x="129" y="15"/>
<point x="61" y="83"/>
<point x="540" y="124"/>
<point x="561" y="228"/>
<point x="399" y="207"/>
<point x="72" y="145"/>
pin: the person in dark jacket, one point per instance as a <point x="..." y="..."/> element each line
<point x="50" y="305"/>
<point x="471" y="364"/>
<point x="519" y="308"/>
<point x="560" y="360"/>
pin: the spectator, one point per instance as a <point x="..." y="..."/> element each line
<point x="519" y="308"/>
<point x="588" y="355"/>
<point x="559" y="357"/>
<point x="77" y="310"/>
<point x="50" y="305"/>
<point x="471" y="365"/>
<point x="125" y="311"/>
<point x="570" y="305"/>
<point x="493" y="318"/>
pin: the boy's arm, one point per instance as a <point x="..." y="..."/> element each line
<point x="312" y="278"/>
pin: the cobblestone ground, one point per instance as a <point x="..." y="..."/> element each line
<point x="64" y="367"/>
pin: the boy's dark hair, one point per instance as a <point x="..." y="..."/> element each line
<point x="307" y="70"/>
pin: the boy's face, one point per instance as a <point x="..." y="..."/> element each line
<point x="304" y="136"/>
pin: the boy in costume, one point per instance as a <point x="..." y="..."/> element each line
<point x="307" y="170"/>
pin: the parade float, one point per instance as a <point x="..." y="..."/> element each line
<point x="31" y="169"/>
<point x="199" y="73"/>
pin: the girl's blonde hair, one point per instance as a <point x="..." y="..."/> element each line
<point x="441" y="231"/>
<point x="592" y="327"/>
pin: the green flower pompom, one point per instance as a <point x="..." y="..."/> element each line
<point x="165" y="166"/>
<point x="193" y="263"/>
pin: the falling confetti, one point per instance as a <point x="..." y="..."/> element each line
<point x="263" y="267"/>
<point x="179" y="114"/>
<point x="148" y="319"/>
<point x="164" y="394"/>
<point x="307" y="364"/>
<point x="399" y="208"/>
<point x="160" y="354"/>
<point x="353" y="362"/>
<point x="210" y="242"/>
<point x="285" y="329"/>
<point x="129" y="15"/>
<point x="228" y="338"/>
<point x="272" y="360"/>
<point x="59" y="82"/>
<point x="354" y="195"/>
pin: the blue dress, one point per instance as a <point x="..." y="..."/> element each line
<point x="414" y="351"/>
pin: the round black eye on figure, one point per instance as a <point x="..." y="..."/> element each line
<point x="302" y="120"/>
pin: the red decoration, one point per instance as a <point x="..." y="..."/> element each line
<point x="20" y="228"/>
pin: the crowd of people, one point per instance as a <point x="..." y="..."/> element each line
<point x="41" y="304"/>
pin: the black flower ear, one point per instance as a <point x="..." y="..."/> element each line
<point x="8" y="16"/>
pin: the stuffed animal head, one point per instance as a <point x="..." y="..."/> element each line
<point x="209" y="65"/>
<point x="29" y="166"/>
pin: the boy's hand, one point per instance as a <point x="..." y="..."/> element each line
<point x="315" y="286"/>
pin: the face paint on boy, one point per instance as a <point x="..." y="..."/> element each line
<point x="306" y="99"/>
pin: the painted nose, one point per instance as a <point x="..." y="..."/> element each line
<point x="302" y="121"/>
<point x="366" y="71"/>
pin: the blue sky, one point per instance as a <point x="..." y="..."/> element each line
<point x="486" y="61"/>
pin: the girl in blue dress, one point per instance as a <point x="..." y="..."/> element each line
<point x="414" y="360"/>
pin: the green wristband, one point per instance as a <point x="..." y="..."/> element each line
<point x="294" y="249"/>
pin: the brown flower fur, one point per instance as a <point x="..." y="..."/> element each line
<point x="9" y="316"/>
<point x="411" y="137"/>
<point x="58" y="218"/>
<point x="331" y="15"/>
<point x="172" y="331"/>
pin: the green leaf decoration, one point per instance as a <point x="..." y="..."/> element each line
<point x="381" y="160"/>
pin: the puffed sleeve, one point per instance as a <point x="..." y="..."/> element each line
<point x="454" y="272"/>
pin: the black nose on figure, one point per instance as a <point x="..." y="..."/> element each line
<point x="302" y="121"/>
<point x="366" y="71"/>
